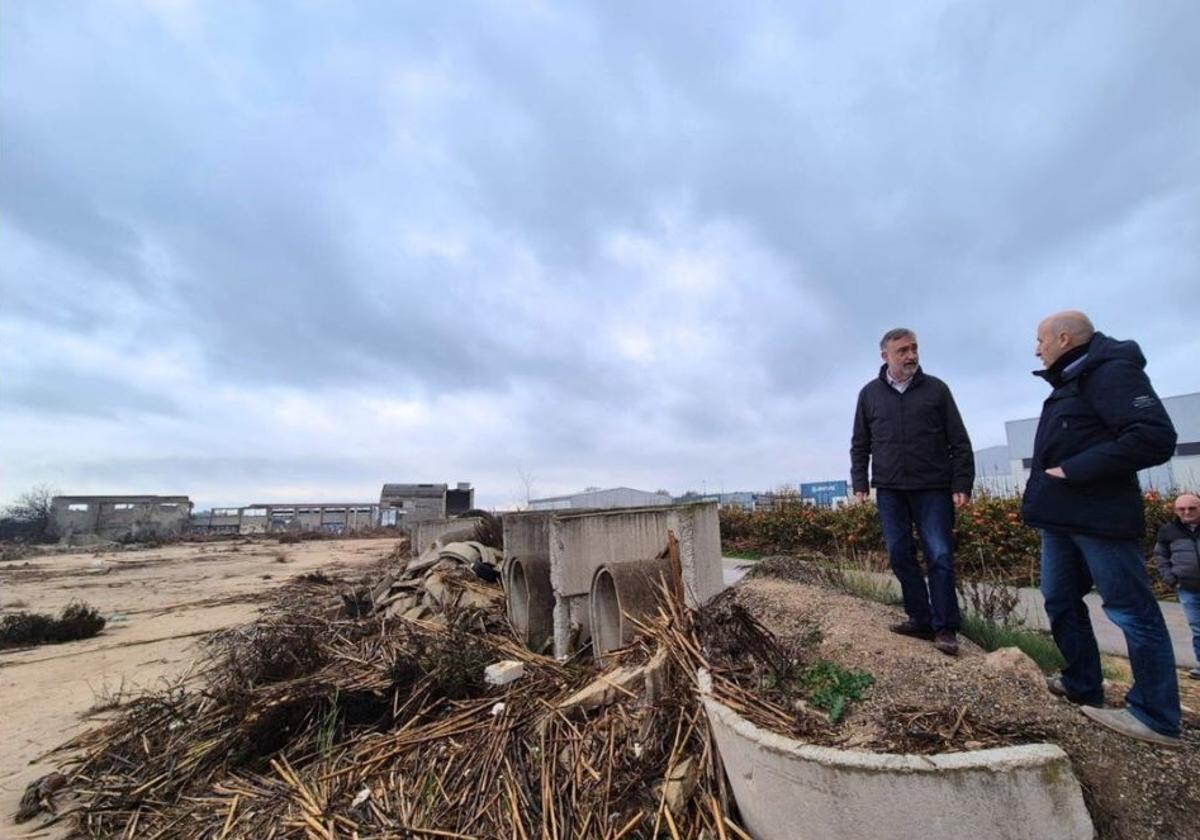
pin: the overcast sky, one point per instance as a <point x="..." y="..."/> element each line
<point x="263" y="251"/>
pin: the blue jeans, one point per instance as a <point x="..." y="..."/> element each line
<point x="1190" y="601"/>
<point x="1071" y="563"/>
<point x="932" y="511"/>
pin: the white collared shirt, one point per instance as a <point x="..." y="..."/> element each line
<point x="900" y="387"/>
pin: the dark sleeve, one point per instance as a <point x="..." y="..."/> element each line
<point x="860" y="446"/>
<point x="962" y="457"/>
<point x="1162" y="556"/>
<point x="1121" y="395"/>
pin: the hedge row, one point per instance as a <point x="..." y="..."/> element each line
<point x="992" y="541"/>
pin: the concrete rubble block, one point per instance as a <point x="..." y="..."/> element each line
<point x="477" y="597"/>
<point x="681" y="783"/>
<point x="380" y="591"/>
<point x="576" y="544"/>
<point x="424" y="534"/>
<point x="789" y="790"/>
<point x="504" y="672"/>
<point x="420" y="565"/>
<point x="623" y="681"/>
<point x="399" y="605"/>
<point x="436" y="590"/>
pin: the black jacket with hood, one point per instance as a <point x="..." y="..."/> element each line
<point x="1101" y="424"/>
<point x="1177" y="551"/>
<point x="913" y="441"/>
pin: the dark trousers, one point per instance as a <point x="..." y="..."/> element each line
<point x="932" y="511"/>
<point x="1071" y="564"/>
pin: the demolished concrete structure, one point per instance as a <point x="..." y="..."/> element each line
<point x="404" y="505"/>
<point x="555" y="556"/>
<point x="283" y="517"/>
<point x="118" y="517"/>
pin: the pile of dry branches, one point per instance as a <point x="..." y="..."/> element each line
<point x="311" y="724"/>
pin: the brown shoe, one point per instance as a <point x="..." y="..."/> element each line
<point x="909" y="627"/>
<point x="946" y="641"/>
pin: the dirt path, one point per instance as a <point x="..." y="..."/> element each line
<point x="160" y="603"/>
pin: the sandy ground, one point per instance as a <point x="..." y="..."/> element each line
<point x="160" y="602"/>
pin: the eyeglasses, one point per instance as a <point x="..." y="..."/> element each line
<point x="1186" y="509"/>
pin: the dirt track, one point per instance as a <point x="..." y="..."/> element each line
<point x="161" y="601"/>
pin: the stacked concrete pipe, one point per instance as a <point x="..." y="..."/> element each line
<point x="621" y="592"/>
<point x="530" y="600"/>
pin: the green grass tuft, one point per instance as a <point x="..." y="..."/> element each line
<point x="991" y="636"/>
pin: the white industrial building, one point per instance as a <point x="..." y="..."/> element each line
<point x="1182" y="472"/>
<point x="616" y="497"/>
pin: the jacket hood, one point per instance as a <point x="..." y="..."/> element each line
<point x="1104" y="349"/>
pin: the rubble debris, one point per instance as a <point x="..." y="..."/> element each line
<point x="502" y="673"/>
<point x="681" y="783"/>
<point x="312" y="718"/>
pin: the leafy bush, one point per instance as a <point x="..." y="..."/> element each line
<point x="992" y="543"/>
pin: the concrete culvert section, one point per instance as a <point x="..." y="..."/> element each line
<point x="530" y="600"/>
<point x="788" y="790"/>
<point x="620" y="591"/>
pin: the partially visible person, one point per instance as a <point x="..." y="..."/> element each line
<point x="1099" y="426"/>
<point x="907" y="427"/>
<point x="1177" y="551"/>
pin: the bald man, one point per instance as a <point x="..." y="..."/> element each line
<point x="1100" y="425"/>
<point x="1177" y="551"/>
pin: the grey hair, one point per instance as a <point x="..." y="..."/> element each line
<point x="894" y="335"/>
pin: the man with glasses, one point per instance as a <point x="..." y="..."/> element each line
<point x="1101" y="424"/>
<point x="1178" y="554"/>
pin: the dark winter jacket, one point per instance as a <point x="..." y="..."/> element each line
<point x="914" y="441"/>
<point x="1101" y="424"/>
<point x="1177" y="551"/>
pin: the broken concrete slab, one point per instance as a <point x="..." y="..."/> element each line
<point x="504" y="672"/>
<point x="681" y="784"/>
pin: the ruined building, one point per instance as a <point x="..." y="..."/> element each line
<point x="118" y="517"/>
<point x="405" y="504"/>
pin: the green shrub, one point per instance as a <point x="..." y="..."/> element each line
<point x="992" y="543"/>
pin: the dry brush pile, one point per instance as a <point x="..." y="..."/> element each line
<point x="314" y="724"/>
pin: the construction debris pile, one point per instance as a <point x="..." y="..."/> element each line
<point x="416" y="715"/>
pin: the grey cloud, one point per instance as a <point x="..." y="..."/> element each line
<point x="949" y="166"/>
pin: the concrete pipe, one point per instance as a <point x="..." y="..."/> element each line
<point x="621" y="591"/>
<point x="530" y="600"/>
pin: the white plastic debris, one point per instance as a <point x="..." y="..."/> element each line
<point x="361" y="797"/>
<point x="497" y="710"/>
<point x="504" y="672"/>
